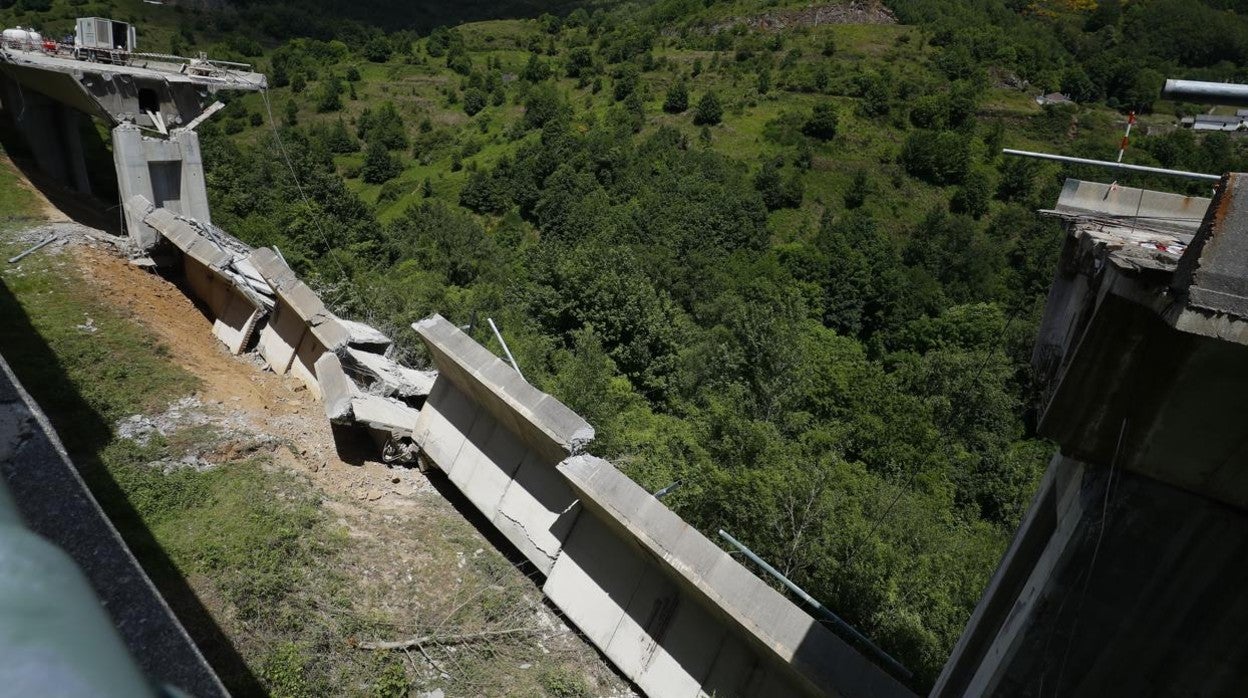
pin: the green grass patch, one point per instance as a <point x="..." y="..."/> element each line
<point x="116" y="370"/>
<point x="17" y="202"/>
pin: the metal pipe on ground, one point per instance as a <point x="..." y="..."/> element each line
<point x="1113" y="165"/>
<point x="1227" y="93"/>
<point x="51" y="239"/>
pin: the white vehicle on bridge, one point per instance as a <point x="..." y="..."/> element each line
<point x="23" y="39"/>
<point x="103" y="40"/>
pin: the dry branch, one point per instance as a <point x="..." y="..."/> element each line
<point x="460" y="639"/>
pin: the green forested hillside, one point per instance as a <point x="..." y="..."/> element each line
<point x="770" y="255"/>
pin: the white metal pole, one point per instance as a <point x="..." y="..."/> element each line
<point x="503" y="342"/>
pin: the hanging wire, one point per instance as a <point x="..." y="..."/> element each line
<point x="329" y="249"/>
<point x="1096" y="551"/>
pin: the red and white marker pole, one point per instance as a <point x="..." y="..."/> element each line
<point x="1126" y="138"/>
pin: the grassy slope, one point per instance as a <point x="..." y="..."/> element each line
<point x="258" y="548"/>
<point x="898" y="201"/>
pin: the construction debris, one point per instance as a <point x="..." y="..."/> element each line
<point x="384" y="377"/>
<point x="254" y="292"/>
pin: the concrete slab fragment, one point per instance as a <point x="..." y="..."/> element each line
<point x="362" y="335"/>
<point x="388" y="377"/>
<point x="336" y="389"/>
<point x="384" y="414"/>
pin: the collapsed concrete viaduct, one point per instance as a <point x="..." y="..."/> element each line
<point x="675" y="613"/>
<point x="1124" y="578"/>
<point x="152" y="106"/>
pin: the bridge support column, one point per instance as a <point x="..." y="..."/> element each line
<point x="167" y="172"/>
<point x="52" y="130"/>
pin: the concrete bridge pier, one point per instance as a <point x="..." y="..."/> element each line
<point x="52" y="130"/>
<point x="167" y="172"/>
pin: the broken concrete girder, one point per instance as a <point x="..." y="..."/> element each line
<point x="300" y="328"/>
<point x="117" y="92"/>
<point x="388" y="378"/>
<point x="715" y="627"/>
<point x="498" y="439"/>
<point x="548" y="424"/>
<point x="337" y="390"/>
<point x="301" y="300"/>
<point x="670" y="609"/>
<point x="236" y="307"/>
<point x="1143" y="336"/>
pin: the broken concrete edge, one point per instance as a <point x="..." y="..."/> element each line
<point x="363" y="335"/>
<point x="828" y="664"/>
<point x="1193" y="292"/>
<point x="142" y="236"/>
<point x="477" y="371"/>
<point x="390" y="377"/>
<point x="1210" y="273"/>
<point x="187" y="238"/>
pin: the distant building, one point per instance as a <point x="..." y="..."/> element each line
<point x="1217" y="122"/>
<point x="1054" y="98"/>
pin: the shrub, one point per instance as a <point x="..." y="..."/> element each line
<point x="709" y="111"/>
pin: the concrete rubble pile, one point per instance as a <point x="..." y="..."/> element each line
<point x="256" y="300"/>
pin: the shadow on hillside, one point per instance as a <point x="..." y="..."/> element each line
<point x="93" y="211"/>
<point x="85" y="434"/>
